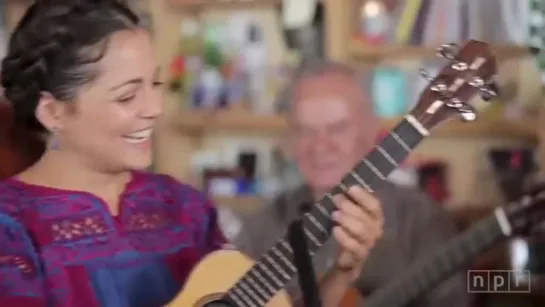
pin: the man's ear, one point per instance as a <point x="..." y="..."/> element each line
<point x="50" y="112"/>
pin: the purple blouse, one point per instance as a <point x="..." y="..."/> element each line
<point x="63" y="248"/>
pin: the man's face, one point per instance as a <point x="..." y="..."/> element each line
<point x="333" y="128"/>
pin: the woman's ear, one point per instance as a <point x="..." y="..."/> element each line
<point x="50" y="112"/>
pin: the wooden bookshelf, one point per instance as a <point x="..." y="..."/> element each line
<point x="198" y="123"/>
<point x="361" y="51"/>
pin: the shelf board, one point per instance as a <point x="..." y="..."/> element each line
<point x="223" y="4"/>
<point x="191" y="122"/>
<point x="229" y="121"/>
<point x="243" y="204"/>
<point x="365" y="52"/>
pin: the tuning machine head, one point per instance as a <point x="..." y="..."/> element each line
<point x="437" y="85"/>
<point x="449" y="94"/>
<point x="489" y="91"/>
<point x="425" y="74"/>
<point x="448" y="51"/>
<point x="467" y="112"/>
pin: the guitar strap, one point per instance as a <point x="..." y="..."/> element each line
<point x="303" y="262"/>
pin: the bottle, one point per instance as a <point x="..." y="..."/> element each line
<point x="255" y="57"/>
<point x="375" y="22"/>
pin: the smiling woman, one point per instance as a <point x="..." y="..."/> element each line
<point x="85" y="225"/>
<point x="97" y="229"/>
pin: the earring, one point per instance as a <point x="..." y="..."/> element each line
<point x="55" y="144"/>
<point x="54" y="140"/>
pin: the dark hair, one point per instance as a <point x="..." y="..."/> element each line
<point x="51" y="48"/>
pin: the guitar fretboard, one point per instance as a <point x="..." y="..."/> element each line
<point x="431" y="271"/>
<point x="276" y="268"/>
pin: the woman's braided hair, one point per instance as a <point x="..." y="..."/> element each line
<point x="51" y="50"/>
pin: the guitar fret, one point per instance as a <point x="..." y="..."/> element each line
<point x="312" y="238"/>
<point x="276" y="266"/>
<point x="285" y="244"/>
<point x="386" y="155"/>
<point x="374" y="169"/>
<point x="251" y="294"/>
<point x="234" y="297"/>
<point x="245" y="298"/>
<point x="260" y="288"/>
<point x="417" y="125"/>
<point x="262" y="280"/>
<point x="401" y="142"/>
<point x="284" y="259"/>
<point x="361" y="181"/>
<point x="271" y="274"/>
<point x="393" y="149"/>
<point x="316" y="223"/>
<point x="322" y="209"/>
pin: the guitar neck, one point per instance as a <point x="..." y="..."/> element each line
<point x="276" y="267"/>
<point x="431" y="271"/>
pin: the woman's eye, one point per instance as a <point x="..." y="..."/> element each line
<point x="126" y="98"/>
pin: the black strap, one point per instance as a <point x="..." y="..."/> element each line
<point x="303" y="263"/>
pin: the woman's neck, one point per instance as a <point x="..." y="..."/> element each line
<point x="67" y="171"/>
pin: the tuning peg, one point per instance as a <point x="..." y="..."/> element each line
<point x="489" y="91"/>
<point x="439" y="87"/>
<point x="460" y="66"/>
<point x="468" y="113"/>
<point x="477" y="82"/>
<point x="425" y="74"/>
<point x="448" y="51"/>
<point x="455" y="103"/>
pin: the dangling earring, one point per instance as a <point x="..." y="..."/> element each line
<point x="54" y="140"/>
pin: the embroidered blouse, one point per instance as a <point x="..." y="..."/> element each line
<point x="63" y="248"/>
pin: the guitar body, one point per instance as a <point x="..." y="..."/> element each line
<point x="215" y="275"/>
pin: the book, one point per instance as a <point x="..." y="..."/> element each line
<point x="3" y="34"/>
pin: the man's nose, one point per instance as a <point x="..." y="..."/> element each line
<point x="323" y="141"/>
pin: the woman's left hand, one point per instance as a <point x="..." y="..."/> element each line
<point x="360" y="224"/>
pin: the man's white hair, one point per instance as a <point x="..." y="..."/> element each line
<point x="315" y="67"/>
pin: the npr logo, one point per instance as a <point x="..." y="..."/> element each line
<point x="498" y="281"/>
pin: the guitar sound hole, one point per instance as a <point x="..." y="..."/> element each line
<point x="219" y="303"/>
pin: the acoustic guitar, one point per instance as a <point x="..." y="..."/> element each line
<point x="228" y="278"/>
<point x="523" y="217"/>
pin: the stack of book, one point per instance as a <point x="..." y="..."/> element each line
<point x="3" y="34"/>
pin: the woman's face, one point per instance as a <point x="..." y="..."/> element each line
<point x="113" y="118"/>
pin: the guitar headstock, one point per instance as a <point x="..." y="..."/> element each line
<point x="527" y="216"/>
<point x="469" y="72"/>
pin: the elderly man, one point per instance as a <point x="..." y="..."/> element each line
<point x="333" y="126"/>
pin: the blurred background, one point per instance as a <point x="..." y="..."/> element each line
<point x="224" y="130"/>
